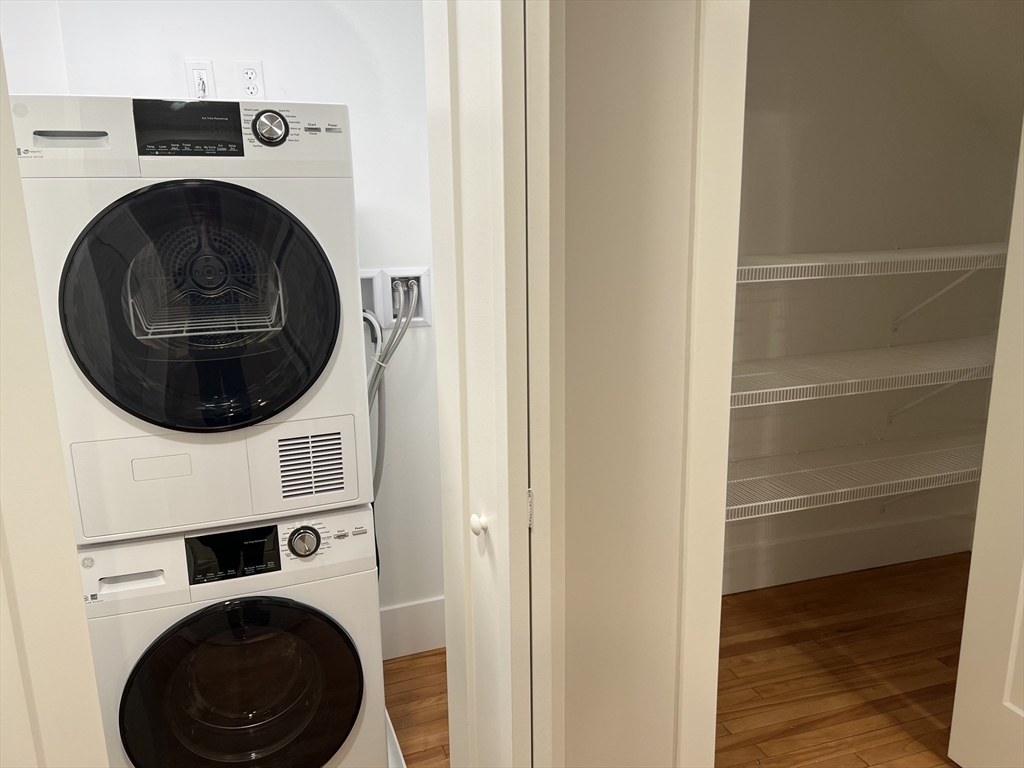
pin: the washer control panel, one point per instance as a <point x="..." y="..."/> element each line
<point x="226" y="562"/>
<point x="232" y="554"/>
<point x="326" y="537"/>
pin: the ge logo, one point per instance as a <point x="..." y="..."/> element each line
<point x="88" y="562"/>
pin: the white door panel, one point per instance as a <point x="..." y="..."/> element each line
<point x="988" y="711"/>
<point x="475" y="92"/>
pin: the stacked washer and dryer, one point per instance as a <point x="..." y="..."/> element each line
<point x="196" y="263"/>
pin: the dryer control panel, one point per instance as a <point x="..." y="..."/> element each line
<point x="115" y="136"/>
<point x="207" y="128"/>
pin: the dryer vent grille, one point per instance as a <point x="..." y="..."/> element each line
<point x="311" y="464"/>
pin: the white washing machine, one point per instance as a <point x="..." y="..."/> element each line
<point x="252" y="646"/>
<point x="196" y="263"/>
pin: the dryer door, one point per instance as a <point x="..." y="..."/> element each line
<point x="199" y="305"/>
<point x="258" y="681"/>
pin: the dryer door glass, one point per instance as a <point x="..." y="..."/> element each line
<point x="258" y="681"/>
<point x="199" y="305"/>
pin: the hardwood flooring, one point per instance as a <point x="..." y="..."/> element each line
<point x="848" y="671"/>
<point x="416" y="695"/>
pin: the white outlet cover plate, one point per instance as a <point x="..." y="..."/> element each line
<point x="193" y="68"/>
<point x="249" y="73"/>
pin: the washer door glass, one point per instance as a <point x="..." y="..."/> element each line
<point x="199" y="305"/>
<point x="259" y="681"/>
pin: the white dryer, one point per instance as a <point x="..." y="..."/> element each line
<point x="252" y="646"/>
<point x="196" y="263"/>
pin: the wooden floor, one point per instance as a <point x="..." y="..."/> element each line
<point x="848" y="671"/>
<point x="416" y="695"/>
<point x="844" y="672"/>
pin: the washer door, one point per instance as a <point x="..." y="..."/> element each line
<point x="259" y="681"/>
<point x="199" y="306"/>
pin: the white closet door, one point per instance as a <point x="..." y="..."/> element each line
<point x="475" y="94"/>
<point x="988" y="712"/>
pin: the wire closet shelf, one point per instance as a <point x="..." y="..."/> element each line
<point x="834" y="374"/>
<point x="771" y="485"/>
<point x="814" y="266"/>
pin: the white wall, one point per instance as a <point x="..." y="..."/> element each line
<point x="368" y="55"/>
<point x="859" y="136"/>
<point x="869" y="126"/>
<point x="49" y="710"/>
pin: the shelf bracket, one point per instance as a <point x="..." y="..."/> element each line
<point x="893" y="499"/>
<point x="914" y="403"/>
<point x="899" y="320"/>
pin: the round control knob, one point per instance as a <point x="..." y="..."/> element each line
<point x="304" y="541"/>
<point x="270" y="127"/>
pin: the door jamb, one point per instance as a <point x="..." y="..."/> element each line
<point x="720" y="52"/>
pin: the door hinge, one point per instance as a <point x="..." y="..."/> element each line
<point x="529" y="506"/>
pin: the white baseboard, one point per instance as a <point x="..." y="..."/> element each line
<point x="827" y="553"/>
<point x="412" y="627"/>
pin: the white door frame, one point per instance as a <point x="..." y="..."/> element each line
<point x="475" y="121"/>
<point x="463" y="40"/>
<point x="459" y="119"/>
<point x="718" y="162"/>
<point x="545" y="126"/>
<point x="720" y="91"/>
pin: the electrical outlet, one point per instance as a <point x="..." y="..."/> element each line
<point x="250" y="79"/>
<point x="199" y="77"/>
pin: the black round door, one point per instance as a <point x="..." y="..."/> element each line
<point x="199" y="305"/>
<point x="261" y="682"/>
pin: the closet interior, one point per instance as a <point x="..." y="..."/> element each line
<point x="880" y="150"/>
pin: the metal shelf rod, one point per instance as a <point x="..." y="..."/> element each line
<point x="896" y="323"/>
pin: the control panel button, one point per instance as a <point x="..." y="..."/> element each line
<point x="304" y="541"/>
<point x="270" y="127"/>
